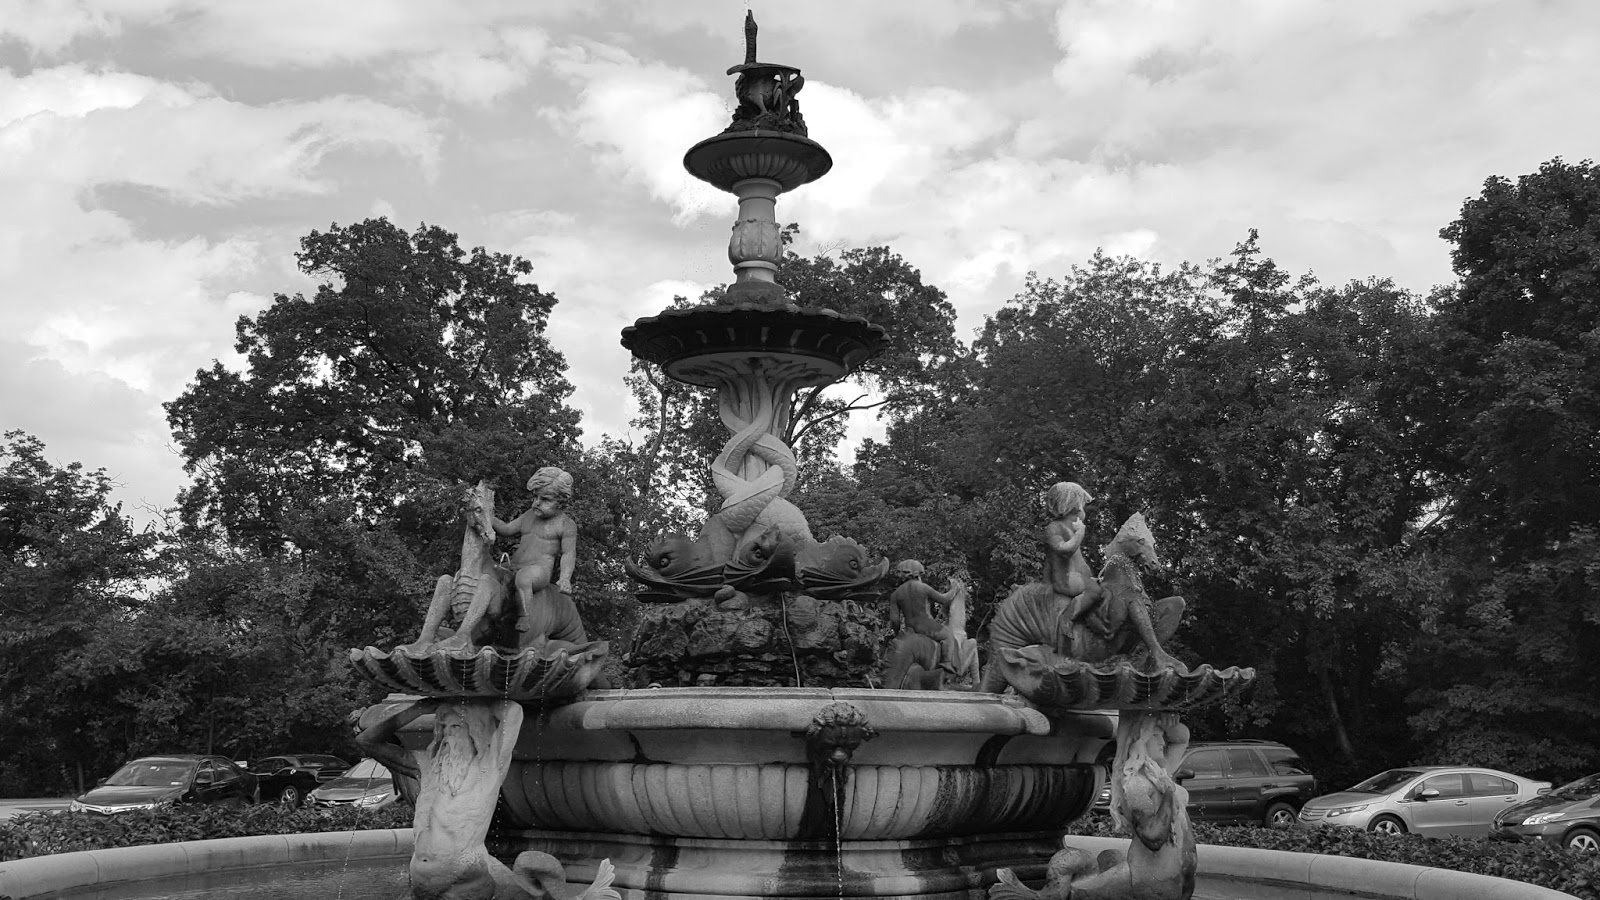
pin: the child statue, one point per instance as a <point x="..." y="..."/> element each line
<point x="547" y="545"/>
<point x="1065" y="569"/>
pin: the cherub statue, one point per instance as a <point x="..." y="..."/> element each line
<point x="547" y="539"/>
<point x="540" y="572"/>
<point x="1064" y="566"/>
<point x="925" y="648"/>
<point x="1034" y="628"/>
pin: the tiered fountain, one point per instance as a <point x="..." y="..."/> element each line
<point x="774" y="770"/>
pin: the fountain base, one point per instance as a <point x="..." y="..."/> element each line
<point x="665" y="868"/>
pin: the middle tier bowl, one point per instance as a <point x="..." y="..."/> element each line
<point x="697" y="344"/>
<point x="753" y="764"/>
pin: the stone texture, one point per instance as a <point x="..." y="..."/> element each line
<point x="758" y="643"/>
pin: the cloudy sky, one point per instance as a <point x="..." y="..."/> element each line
<point x="159" y="159"/>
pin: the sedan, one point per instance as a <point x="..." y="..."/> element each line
<point x="1429" y="800"/>
<point x="155" y="781"/>
<point x="1568" y="816"/>
<point x="288" y="779"/>
<point x="368" y="785"/>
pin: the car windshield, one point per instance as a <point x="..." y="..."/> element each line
<point x="1582" y="789"/>
<point x="1385" y="782"/>
<point x="369" y="773"/>
<point x="153" y="773"/>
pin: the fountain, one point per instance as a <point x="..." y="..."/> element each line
<point x="770" y="768"/>
<point x="767" y="767"/>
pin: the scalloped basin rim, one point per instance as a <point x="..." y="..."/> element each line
<point x="792" y="709"/>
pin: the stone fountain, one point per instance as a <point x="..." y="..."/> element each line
<point x="768" y="766"/>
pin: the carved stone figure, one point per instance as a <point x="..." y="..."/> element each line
<point x="1123" y="624"/>
<point x="540" y="574"/>
<point x="460" y="773"/>
<point x="1124" y="620"/>
<point x="925" y="649"/>
<point x="473" y="598"/>
<point x="766" y="91"/>
<point x="832" y="739"/>
<point x="1145" y="800"/>
<point x="547" y="539"/>
<point x="1064" y="566"/>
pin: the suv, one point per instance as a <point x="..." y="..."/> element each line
<point x="1240" y="781"/>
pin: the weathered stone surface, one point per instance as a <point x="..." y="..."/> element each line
<point x="757" y="640"/>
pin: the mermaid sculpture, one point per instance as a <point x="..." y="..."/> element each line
<point x="1145" y="801"/>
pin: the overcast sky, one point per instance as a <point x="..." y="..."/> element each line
<point x="160" y="159"/>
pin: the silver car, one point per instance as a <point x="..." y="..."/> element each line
<point x="1430" y="800"/>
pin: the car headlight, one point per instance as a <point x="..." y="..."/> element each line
<point x="1542" y="818"/>
<point x="1346" y="810"/>
<point x="76" y="807"/>
<point x="371" y="799"/>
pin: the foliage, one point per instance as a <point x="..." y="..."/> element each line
<point x="41" y="834"/>
<point x="1510" y="674"/>
<point x="70" y="567"/>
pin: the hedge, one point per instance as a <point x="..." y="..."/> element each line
<point x="43" y="833"/>
<point x="1534" y="862"/>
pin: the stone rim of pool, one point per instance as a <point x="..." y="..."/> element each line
<point x="46" y="876"/>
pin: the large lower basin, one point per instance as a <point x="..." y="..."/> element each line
<point x="151" y="873"/>
<point x="760" y="764"/>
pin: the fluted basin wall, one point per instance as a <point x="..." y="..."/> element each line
<point x="733" y="764"/>
<point x="766" y="802"/>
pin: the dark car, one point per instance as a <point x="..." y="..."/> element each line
<point x="367" y="785"/>
<point x="1244" y="781"/>
<point x="154" y="781"/>
<point x="288" y="779"/>
<point x="1568" y="816"/>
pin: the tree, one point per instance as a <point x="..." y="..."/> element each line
<point x="70" y="565"/>
<point x="328" y="470"/>
<point x="1511" y="670"/>
<point x="414" y="359"/>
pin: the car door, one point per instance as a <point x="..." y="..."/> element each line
<point x="1488" y="795"/>
<point x="1248" y="777"/>
<point x="1208" y="788"/>
<point x="205" y="782"/>
<point x="270" y="775"/>
<point x="1444" y="813"/>
<point x="229" y="781"/>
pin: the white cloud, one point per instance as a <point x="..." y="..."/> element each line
<point x="641" y="117"/>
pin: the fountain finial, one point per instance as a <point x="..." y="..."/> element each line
<point x="749" y="37"/>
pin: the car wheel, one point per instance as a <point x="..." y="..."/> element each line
<point x="1582" y="840"/>
<point x="290" y="798"/>
<point x="1387" y="825"/>
<point x="1278" y="815"/>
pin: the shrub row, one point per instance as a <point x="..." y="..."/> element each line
<point x="1535" y="863"/>
<point x="42" y="833"/>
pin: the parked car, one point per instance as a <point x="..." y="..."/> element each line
<point x="288" y="779"/>
<point x="1244" y="781"/>
<point x="152" y="781"/>
<point x="1430" y="800"/>
<point x="1568" y="816"/>
<point x="367" y="784"/>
